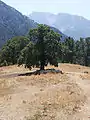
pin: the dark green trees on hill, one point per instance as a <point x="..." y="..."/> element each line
<point x="87" y="57"/>
<point x="68" y="50"/>
<point x="77" y="52"/>
<point x="11" y="50"/>
<point x="40" y="47"/>
<point x="45" y="48"/>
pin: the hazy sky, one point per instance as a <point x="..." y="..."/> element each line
<point x="79" y="7"/>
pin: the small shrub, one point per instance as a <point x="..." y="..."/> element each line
<point x="86" y="72"/>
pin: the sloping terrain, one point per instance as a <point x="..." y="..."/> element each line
<point x="47" y="96"/>
<point x="71" y="25"/>
<point x="13" y="23"/>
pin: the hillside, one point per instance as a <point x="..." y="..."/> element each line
<point x="71" y="25"/>
<point x="47" y="96"/>
<point x="13" y="23"/>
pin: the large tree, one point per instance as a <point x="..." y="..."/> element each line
<point x="45" y="48"/>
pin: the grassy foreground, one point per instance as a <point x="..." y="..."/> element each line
<point x="46" y="96"/>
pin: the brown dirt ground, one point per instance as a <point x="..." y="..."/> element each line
<point x="46" y="96"/>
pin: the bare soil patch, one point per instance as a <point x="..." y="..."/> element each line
<point x="48" y="96"/>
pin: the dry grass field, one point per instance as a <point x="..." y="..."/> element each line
<point x="47" y="96"/>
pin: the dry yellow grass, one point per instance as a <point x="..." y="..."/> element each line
<point x="46" y="96"/>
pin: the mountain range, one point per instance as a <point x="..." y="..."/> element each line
<point x="71" y="25"/>
<point x="13" y="23"/>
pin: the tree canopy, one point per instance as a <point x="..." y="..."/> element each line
<point x="45" y="48"/>
<point x="77" y="52"/>
<point x="11" y="50"/>
<point x="42" y="46"/>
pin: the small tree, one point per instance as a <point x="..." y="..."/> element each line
<point x="68" y="50"/>
<point x="45" y="48"/>
<point x="11" y="50"/>
<point x="87" y="56"/>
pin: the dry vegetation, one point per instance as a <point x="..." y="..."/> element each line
<point x="46" y="96"/>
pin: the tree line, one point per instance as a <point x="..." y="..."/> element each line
<point x="42" y="46"/>
<point x="77" y="52"/>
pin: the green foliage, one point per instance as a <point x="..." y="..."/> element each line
<point x="43" y="46"/>
<point x="27" y="56"/>
<point x="87" y="57"/>
<point x="11" y="50"/>
<point x="77" y="52"/>
<point x="80" y="52"/>
<point x="44" y="50"/>
<point x="68" y="50"/>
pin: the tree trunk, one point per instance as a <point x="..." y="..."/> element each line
<point x="42" y="65"/>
